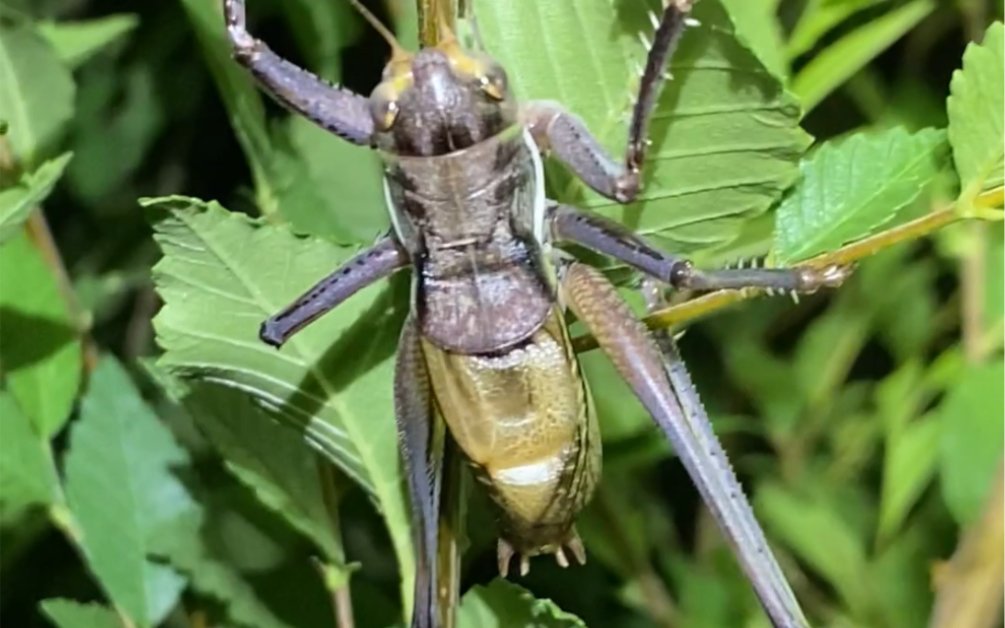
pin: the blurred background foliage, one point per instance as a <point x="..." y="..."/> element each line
<point x="866" y="424"/>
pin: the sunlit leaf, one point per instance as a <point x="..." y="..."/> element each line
<point x="37" y="95"/>
<point x="852" y="186"/>
<point x="41" y="353"/>
<point x="841" y="60"/>
<point x="76" y="42"/>
<point x="27" y="474"/>
<point x="16" y="202"/>
<point x="121" y="491"/>
<point x="503" y="604"/>
<point x="971" y="416"/>
<point x="221" y="276"/>
<point x="975" y="105"/>
<point x="725" y="133"/>
<point x="71" y="614"/>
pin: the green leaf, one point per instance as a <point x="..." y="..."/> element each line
<point x="221" y="276"/>
<point x="503" y="604"/>
<point x="323" y="29"/>
<point x="121" y="491"/>
<point x="901" y="575"/>
<point x="801" y="523"/>
<point x="841" y="60"/>
<point x="76" y="42"/>
<point x="120" y="115"/>
<point x="302" y="203"/>
<point x="182" y="543"/>
<point x="16" y="202"/>
<point x="909" y="463"/>
<point x="37" y="95"/>
<point x="351" y="195"/>
<point x="27" y="474"/>
<point x="852" y="186"/>
<point x="817" y="18"/>
<point x="971" y="416"/>
<point x="239" y="95"/>
<point x="268" y="457"/>
<point x="71" y="614"/>
<point x="757" y="26"/>
<point x="39" y="348"/>
<point x="725" y="133"/>
<point x="975" y="106"/>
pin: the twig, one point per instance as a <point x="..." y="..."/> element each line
<point x="138" y="331"/>
<point x="341" y="597"/>
<point x="968" y="588"/>
<point x="972" y="279"/>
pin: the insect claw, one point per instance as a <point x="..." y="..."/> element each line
<point x="575" y="545"/>
<point x="645" y="41"/>
<point x="504" y="553"/>
<point x="524" y="565"/>
<point x="560" y="558"/>
<point x="795" y="297"/>
<point x="691" y="22"/>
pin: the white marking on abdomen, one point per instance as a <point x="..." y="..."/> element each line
<point x="530" y="474"/>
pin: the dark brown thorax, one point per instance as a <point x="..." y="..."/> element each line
<point x="462" y="180"/>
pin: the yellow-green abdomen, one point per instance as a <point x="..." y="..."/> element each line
<point x="525" y="421"/>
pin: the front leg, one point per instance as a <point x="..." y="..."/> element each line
<point x="662" y="385"/>
<point x="344" y="113"/>
<point x="565" y="133"/>
<point x="423" y="460"/>
<point x="608" y="237"/>
<point x="376" y="262"/>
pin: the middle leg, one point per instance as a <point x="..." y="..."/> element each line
<point x="605" y="236"/>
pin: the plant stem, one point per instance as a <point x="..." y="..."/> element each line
<point x="968" y="588"/>
<point x="972" y="279"/>
<point x="341" y="597"/>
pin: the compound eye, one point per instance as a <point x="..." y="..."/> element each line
<point x="383" y="107"/>
<point x="494" y="82"/>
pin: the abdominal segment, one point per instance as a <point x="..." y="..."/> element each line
<point x="525" y="422"/>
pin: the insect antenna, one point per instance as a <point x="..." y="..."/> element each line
<point x="466" y="11"/>
<point x="397" y="52"/>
